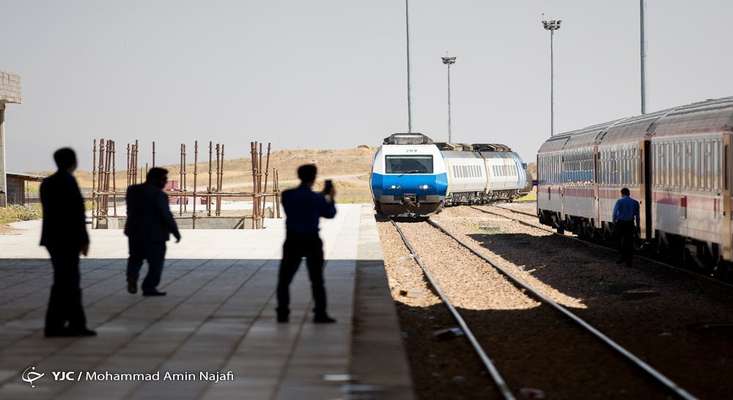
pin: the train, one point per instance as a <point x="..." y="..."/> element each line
<point x="414" y="176"/>
<point x="675" y="162"/>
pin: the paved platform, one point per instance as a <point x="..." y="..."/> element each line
<point x="218" y="321"/>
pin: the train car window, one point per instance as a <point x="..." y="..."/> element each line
<point x="409" y="164"/>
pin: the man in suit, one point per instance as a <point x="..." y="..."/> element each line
<point x="149" y="226"/>
<point x="303" y="209"/>
<point x="65" y="236"/>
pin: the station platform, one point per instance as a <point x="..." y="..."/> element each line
<point x="214" y="336"/>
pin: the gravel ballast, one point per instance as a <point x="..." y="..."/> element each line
<point x="534" y="347"/>
<point x="680" y="324"/>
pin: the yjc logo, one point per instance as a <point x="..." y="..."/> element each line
<point x="30" y="375"/>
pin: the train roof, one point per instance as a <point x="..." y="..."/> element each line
<point x="407" y="138"/>
<point x="702" y="117"/>
<point x="485" y="147"/>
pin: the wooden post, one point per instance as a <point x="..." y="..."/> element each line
<point x="153" y="153"/>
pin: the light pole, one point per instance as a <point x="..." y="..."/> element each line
<point x="409" y="92"/>
<point x="552" y="25"/>
<point x="642" y="7"/>
<point x="449" y="61"/>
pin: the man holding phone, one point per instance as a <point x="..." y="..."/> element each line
<point x="303" y="210"/>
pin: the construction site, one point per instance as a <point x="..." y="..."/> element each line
<point x="196" y="191"/>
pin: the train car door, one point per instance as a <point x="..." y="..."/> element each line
<point x="646" y="190"/>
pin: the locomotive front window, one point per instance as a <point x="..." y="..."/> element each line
<point x="407" y="164"/>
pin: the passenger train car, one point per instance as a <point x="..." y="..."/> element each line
<point x="412" y="175"/>
<point x="481" y="173"/>
<point x="675" y="162"/>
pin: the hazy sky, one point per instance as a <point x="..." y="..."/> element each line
<point x="331" y="73"/>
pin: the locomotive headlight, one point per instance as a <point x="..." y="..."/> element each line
<point x="394" y="187"/>
<point x="424" y="187"/>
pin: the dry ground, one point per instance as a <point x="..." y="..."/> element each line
<point x="348" y="168"/>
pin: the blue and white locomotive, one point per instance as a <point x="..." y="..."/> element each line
<point x="411" y="175"/>
<point x="408" y="176"/>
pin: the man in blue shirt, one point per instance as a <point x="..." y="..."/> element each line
<point x="303" y="210"/>
<point x="625" y="216"/>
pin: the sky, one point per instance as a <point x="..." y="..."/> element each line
<point x="332" y="73"/>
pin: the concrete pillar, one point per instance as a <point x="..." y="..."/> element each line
<point x="3" y="172"/>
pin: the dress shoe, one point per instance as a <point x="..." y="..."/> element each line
<point x="70" y="332"/>
<point x="151" y="293"/>
<point x="82" y="332"/>
<point x="62" y="332"/>
<point x="323" y="319"/>
<point x="131" y="287"/>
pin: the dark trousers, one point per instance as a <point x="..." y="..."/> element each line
<point x="154" y="253"/>
<point x="64" y="304"/>
<point x="625" y="231"/>
<point x="295" y="248"/>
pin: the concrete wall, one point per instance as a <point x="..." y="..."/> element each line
<point x="9" y="93"/>
<point x="10" y="88"/>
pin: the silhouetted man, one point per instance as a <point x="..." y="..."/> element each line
<point x="625" y="214"/>
<point x="303" y="209"/>
<point x="65" y="236"/>
<point x="149" y="226"/>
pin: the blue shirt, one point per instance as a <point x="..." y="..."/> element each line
<point x="304" y="208"/>
<point x="626" y="209"/>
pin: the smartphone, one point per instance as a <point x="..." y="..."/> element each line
<point x="328" y="186"/>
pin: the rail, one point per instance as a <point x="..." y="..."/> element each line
<point x="499" y="381"/>
<point x="636" y="361"/>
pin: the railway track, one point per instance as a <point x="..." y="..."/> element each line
<point x="585" y="328"/>
<point x="648" y="259"/>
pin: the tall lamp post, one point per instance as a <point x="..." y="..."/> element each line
<point x="409" y="92"/>
<point x="449" y="61"/>
<point x="642" y="7"/>
<point x="552" y="25"/>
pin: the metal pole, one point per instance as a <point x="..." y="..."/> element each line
<point x="552" y="83"/>
<point x="195" y="178"/>
<point x="409" y="89"/>
<point x="208" y="199"/>
<point x="642" y="6"/>
<point x="450" y="135"/>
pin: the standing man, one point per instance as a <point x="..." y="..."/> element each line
<point x="65" y="236"/>
<point x="149" y="225"/>
<point x="303" y="210"/>
<point x="625" y="214"/>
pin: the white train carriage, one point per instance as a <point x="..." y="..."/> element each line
<point x="621" y="164"/>
<point x="549" y="181"/>
<point x="676" y="163"/>
<point x="578" y="193"/>
<point x="466" y="177"/>
<point x="691" y="180"/>
<point x="507" y="176"/>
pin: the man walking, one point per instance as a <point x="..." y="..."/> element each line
<point x="149" y="226"/>
<point x="303" y="210"/>
<point x="64" y="235"/>
<point x="625" y="214"/>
